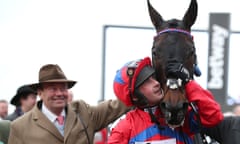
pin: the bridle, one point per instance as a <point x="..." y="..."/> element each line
<point x="173" y="84"/>
<point x="174" y="30"/>
<point x="174" y="115"/>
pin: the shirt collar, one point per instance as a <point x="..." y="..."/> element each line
<point x="51" y="116"/>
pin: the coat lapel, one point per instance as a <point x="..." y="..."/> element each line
<point x="42" y="121"/>
<point x="70" y="122"/>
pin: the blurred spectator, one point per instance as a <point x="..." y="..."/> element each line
<point x="4" y="131"/>
<point x="3" y="109"/>
<point x="24" y="100"/>
<point x="228" y="114"/>
<point x="236" y="110"/>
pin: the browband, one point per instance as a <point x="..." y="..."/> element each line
<point x="174" y="30"/>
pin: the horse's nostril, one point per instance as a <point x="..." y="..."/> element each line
<point x="163" y="105"/>
<point x="185" y="105"/>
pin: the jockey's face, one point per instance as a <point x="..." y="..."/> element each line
<point x="151" y="89"/>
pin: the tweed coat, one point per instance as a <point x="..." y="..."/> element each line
<point x="34" y="126"/>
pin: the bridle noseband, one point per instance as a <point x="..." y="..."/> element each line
<point x="174" y="83"/>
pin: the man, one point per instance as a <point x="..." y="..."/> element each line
<point x="54" y="121"/>
<point x="3" y="109"/>
<point x="135" y="84"/>
<point x="23" y="100"/>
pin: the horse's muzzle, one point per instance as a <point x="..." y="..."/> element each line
<point x="174" y="116"/>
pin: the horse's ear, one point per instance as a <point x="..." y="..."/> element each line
<point x="191" y="14"/>
<point x="155" y="16"/>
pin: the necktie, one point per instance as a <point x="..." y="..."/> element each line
<point x="60" y="120"/>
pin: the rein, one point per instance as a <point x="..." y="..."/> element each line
<point x="202" y="134"/>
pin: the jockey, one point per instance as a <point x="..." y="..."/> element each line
<point x="135" y="85"/>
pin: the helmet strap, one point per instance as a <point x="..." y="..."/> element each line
<point x="141" y="101"/>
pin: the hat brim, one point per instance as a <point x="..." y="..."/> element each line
<point x="145" y="73"/>
<point x="70" y="83"/>
<point x="16" y="98"/>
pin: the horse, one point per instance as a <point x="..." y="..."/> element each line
<point x="173" y="42"/>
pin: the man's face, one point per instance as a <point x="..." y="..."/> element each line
<point x="3" y="109"/>
<point x="54" y="96"/>
<point x="28" y="102"/>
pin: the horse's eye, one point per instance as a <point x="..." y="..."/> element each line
<point x="154" y="53"/>
<point x="190" y="53"/>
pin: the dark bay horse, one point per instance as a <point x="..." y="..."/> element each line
<point x="173" y="42"/>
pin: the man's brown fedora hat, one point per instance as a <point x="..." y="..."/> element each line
<point x="52" y="73"/>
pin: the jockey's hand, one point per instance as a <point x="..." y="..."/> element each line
<point x="176" y="70"/>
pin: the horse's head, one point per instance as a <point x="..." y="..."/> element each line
<point x="173" y="42"/>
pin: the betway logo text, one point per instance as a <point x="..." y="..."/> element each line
<point x="216" y="59"/>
